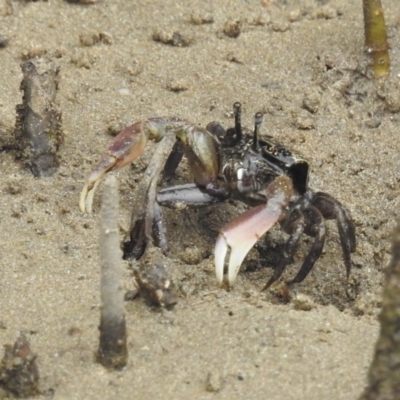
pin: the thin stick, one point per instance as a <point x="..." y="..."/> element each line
<point x="112" y="352"/>
<point x="384" y="373"/>
<point x="376" y="37"/>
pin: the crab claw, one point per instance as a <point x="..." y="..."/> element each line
<point x="241" y="234"/>
<point x="126" y="147"/>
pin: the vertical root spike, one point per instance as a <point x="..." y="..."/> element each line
<point x="376" y="37"/>
<point x="112" y="352"/>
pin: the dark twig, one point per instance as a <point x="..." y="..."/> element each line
<point x="376" y="37"/>
<point x="384" y="373"/>
<point x="38" y="126"/>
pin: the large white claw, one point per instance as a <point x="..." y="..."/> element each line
<point x="241" y="234"/>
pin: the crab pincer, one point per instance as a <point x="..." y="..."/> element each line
<point x="241" y="234"/>
<point x="127" y="146"/>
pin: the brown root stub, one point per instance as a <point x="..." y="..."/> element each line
<point x="19" y="374"/>
<point x="38" y="126"/>
<point x="384" y="373"/>
<point x="376" y="43"/>
<point x="156" y="287"/>
<point x="112" y="352"/>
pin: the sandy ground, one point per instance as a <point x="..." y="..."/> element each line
<point x="301" y="63"/>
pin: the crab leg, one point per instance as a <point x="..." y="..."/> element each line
<point x="127" y="146"/>
<point x="241" y="234"/>
<point x="177" y="137"/>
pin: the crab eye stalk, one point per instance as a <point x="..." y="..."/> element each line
<point x="237" y="112"/>
<point x="258" y="119"/>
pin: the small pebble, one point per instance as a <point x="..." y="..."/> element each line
<point x="90" y="39"/>
<point x="392" y="102"/>
<point x="258" y="20"/>
<point x="280" y="26"/>
<point x="14" y="188"/>
<point x="240" y="376"/>
<point x="201" y="18"/>
<point x="175" y="39"/>
<point x="35" y="51"/>
<point x="177" y="86"/>
<point x="303" y="302"/>
<point x="231" y="57"/>
<point x="304" y="123"/>
<point x="311" y="103"/>
<point x="124" y="92"/>
<point x="325" y="12"/>
<point x="294" y="15"/>
<point x="213" y="382"/>
<point x="373" y="122"/>
<point x="191" y="255"/>
<point x="233" y="29"/>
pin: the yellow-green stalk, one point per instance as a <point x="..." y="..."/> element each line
<point x="376" y="37"/>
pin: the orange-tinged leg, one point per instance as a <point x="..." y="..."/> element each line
<point x="126" y="147"/>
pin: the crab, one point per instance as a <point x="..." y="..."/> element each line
<point x="226" y="164"/>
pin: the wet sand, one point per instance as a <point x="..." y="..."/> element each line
<point x="300" y="63"/>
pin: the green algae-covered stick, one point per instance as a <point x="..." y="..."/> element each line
<point x="376" y="38"/>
